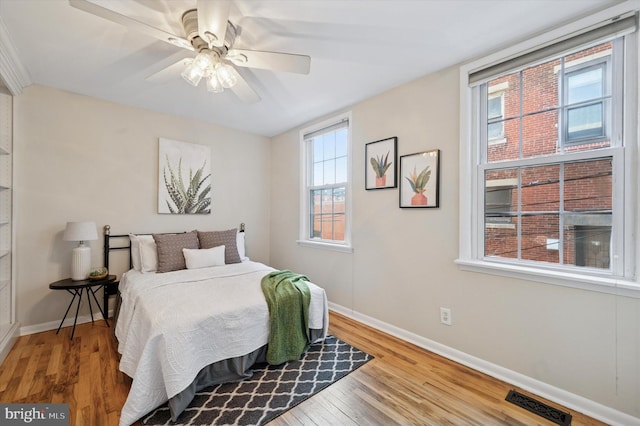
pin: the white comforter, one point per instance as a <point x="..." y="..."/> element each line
<point x="171" y="325"/>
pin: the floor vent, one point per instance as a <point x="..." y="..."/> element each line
<point x="539" y="408"/>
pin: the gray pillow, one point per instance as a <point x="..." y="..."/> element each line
<point x="170" y="256"/>
<point x="221" y="238"/>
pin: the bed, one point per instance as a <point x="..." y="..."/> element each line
<point x="185" y="329"/>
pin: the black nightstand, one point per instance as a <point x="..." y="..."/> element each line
<point x="76" y="288"/>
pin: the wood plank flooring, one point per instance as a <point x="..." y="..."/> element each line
<point x="403" y="385"/>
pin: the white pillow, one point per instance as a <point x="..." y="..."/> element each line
<point x="203" y="258"/>
<point x="137" y="243"/>
<point x="135" y="251"/>
<point x="240" y="244"/>
<point x="148" y="254"/>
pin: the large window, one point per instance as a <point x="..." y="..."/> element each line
<point x="326" y="162"/>
<point x="551" y="197"/>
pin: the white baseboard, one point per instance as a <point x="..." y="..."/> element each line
<point x="8" y="341"/>
<point x="552" y="393"/>
<point x="53" y="325"/>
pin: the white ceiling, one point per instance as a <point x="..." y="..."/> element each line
<point x="358" y="48"/>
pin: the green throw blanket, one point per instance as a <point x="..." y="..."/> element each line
<point x="288" y="299"/>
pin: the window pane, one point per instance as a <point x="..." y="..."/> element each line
<point x="500" y="196"/>
<point x="501" y="241"/>
<point x="540" y="87"/>
<point x="540" y="234"/>
<point x="510" y="150"/>
<point x="339" y="200"/>
<point x="585" y="85"/>
<point x="329" y="172"/>
<point x="588" y="186"/>
<point x="540" y="189"/>
<point x="540" y="134"/>
<point x="341" y="143"/>
<point x="585" y="122"/>
<point x="338" y="227"/>
<point x="318" y="175"/>
<point x="316" y="213"/>
<point x="328" y="213"/>
<point x="318" y="149"/>
<point x="588" y="246"/>
<point x="341" y="169"/>
<point x="329" y="144"/>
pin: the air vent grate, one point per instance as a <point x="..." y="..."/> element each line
<point x="539" y="408"/>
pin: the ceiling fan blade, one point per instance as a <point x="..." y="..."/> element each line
<point x="212" y="21"/>
<point x="131" y="23"/>
<point x="288" y="62"/>
<point x="242" y="89"/>
<point x="170" y="72"/>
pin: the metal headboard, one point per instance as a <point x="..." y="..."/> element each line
<point x="108" y="247"/>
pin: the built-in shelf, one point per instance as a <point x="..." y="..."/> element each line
<point x="8" y="327"/>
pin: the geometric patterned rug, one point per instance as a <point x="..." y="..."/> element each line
<point x="271" y="390"/>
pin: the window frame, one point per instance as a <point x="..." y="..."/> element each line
<point x="305" y="188"/>
<point x="569" y="70"/>
<point x="625" y="280"/>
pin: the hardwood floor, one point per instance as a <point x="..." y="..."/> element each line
<point x="402" y="385"/>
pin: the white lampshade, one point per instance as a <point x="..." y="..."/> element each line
<point x="81" y="257"/>
<point x="80" y="231"/>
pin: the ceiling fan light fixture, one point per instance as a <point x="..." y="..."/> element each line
<point x="203" y="61"/>
<point x="213" y="84"/>
<point x="192" y="74"/>
<point x="226" y="75"/>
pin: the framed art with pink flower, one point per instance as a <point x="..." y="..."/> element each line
<point x="420" y="180"/>
<point x="381" y="164"/>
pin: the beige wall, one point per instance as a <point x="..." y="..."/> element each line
<point x="402" y="269"/>
<point x="79" y="158"/>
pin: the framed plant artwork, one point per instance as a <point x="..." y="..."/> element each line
<point x="184" y="178"/>
<point x="420" y="180"/>
<point x="381" y="166"/>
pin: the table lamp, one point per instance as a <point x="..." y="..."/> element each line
<point x="81" y="258"/>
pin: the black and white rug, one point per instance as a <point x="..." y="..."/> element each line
<point x="271" y="390"/>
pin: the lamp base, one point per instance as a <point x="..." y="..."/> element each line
<point x="80" y="263"/>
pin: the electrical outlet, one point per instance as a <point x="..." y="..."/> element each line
<point x="445" y="316"/>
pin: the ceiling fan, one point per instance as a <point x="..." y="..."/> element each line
<point x="211" y="36"/>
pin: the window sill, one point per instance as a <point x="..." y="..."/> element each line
<point x="602" y="284"/>
<point x="326" y="246"/>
